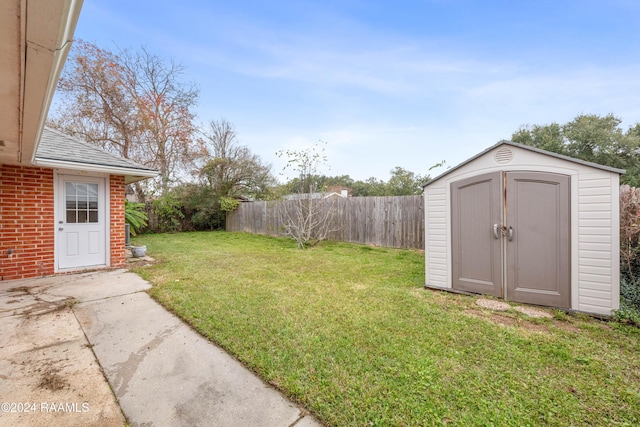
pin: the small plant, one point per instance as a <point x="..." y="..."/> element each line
<point x="560" y="315"/>
<point x="627" y="314"/>
<point x="630" y="294"/>
<point x="629" y="302"/>
<point x="228" y="204"/>
<point x="135" y="216"/>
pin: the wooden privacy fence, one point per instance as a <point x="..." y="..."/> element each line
<point x="394" y="221"/>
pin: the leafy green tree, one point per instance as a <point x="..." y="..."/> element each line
<point x="404" y="182"/>
<point x="201" y="207"/>
<point x="231" y="169"/>
<point x="401" y="183"/>
<point x="370" y="187"/>
<point x="546" y="137"/>
<point x="167" y="209"/>
<point x="589" y="137"/>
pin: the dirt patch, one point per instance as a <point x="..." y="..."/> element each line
<point x="52" y="380"/>
<point x="42" y="307"/>
<point x="536" y="313"/>
<point x="475" y="313"/>
<point x="506" y="320"/>
<point x="535" y="327"/>
<point x="31" y="303"/>
<point x="503" y="320"/>
<point x="23" y="289"/>
<point x="140" y="262"/>
<point x="566" y="325"/>
<point x="493" y="304"/>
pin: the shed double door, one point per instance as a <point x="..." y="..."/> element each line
<point x="510" y="236"/>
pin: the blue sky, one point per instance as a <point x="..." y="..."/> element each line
<point x="387" y="83"/>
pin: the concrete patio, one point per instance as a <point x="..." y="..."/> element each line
<point x="94" y="348"/>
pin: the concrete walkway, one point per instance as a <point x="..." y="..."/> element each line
<point x="161" y="372"/>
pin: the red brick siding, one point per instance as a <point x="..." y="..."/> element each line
<point x="117" y="195"/>
<point x="26" y="222"/>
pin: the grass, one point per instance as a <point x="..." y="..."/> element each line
<point x="349" y="332"/>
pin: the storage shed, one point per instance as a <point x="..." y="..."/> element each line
<point x="526" y="225"/>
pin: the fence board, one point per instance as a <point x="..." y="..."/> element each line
<point x="393" y="221"/>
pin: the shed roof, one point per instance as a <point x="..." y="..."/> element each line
<point x="63" y="151"/>
<point x="529" y="148"/>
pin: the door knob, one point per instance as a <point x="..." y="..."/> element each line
<point x="495" y="231"/>
<point x="510" y="233"/>
<point x="60" y="229"/>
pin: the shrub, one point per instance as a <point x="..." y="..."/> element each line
<point x="201" y="208"/>
<point x="629" y="255"/>
<point x="630" y="294"/>
<point x="135" y="216"/>
<point x="229" y="204"/>
<point x="629" y="302"/>
<point x="168" y="212"/>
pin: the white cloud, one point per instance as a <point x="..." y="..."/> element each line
<point x="379" y="98"/>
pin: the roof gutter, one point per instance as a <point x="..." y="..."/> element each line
<point x="133" y="174"/>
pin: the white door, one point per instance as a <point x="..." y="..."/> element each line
<point x="81" y="222"/>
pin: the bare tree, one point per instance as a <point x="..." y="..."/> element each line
<point x="231" y="169"/>
<point x="308" y="220"/>
<point x="164" y="106"/>
<point x="94" y="102"/>
<point x="307" y="217"/>
<point x="133" y="104"/>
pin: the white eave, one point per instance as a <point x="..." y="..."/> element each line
<point x="35" y="38"/>
<point x="69" y="19"/>
<point x="131" y="175"/>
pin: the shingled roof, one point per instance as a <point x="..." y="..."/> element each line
<point x="62" y="151"/>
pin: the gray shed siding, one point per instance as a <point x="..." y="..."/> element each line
<point x="595" y="268"/>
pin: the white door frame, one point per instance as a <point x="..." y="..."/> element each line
<point x="60" y="176"/>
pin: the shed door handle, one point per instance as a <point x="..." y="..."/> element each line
<point x="495" y="231"/>
<point x="510" y="233"/>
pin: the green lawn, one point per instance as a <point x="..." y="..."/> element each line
<point x="349" y="332"/>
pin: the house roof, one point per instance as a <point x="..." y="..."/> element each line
<point x="62" y="151"/>
<point x="529" y="148"/>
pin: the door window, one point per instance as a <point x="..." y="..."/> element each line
<point x="81" y="202"/>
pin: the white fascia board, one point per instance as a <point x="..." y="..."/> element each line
<point x="68" y="21"/>
<point x="113" y="170"/>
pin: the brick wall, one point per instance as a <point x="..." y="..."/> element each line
<point x="117" y="195"/>
<point x="26" y="222"/>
